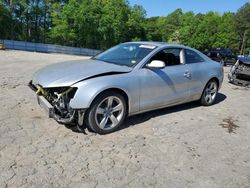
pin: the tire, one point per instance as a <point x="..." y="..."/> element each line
<point x="106" y="113"/>
<point x="209" y="93"/>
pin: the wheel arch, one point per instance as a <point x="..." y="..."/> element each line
<point x="212" y="78"/>
<point x="216" y="79"/>
<point x="88" y="91"/>
<point x="114" y="89"/>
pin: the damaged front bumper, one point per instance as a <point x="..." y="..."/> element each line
<point x="49" y="109"/>
<point x="53" y="110"/>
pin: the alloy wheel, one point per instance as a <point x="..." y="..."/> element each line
<point x="109" y="113"/>
<point x="211" y="92"/>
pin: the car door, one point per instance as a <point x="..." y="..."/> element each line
<point x="166" y="86"/>
<point x="197" y="68"/>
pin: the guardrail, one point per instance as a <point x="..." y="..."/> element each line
<point x="48" y="48"/>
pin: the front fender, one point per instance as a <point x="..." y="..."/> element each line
<point x="89" y="89"/>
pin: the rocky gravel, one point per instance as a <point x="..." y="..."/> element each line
<point x="184" y="146"/>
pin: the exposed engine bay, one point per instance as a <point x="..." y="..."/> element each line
<point x="240" y="72"/>
<point x="59" y="98"/>
<point x="56" y="100"/>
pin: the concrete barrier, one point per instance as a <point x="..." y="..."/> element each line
<point x="48" y="48"/>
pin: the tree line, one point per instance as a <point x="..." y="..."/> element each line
<point x="100" y="24"/>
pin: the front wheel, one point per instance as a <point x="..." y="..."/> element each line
<point x="107" y="113"/>
<point x="209" y="94"/>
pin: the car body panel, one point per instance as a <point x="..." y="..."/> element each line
<point x="160" y="87"/>
<point x="89" y="89"/>
<point x="68" y="73"/>
<point x="200" y="76"/>
<point x="145" y="88"/>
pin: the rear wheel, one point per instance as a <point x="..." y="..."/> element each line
<point x="107" y="112"/>
<point x="209" y="94"/>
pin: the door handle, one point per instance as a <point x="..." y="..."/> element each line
<point x="187" y="74"/>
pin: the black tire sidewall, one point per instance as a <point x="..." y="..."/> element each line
<point x="90" y="116"/>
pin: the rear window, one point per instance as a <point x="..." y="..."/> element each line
<point x="192" y="57"/>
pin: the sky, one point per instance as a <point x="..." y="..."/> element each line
<point x="164" y="7"/>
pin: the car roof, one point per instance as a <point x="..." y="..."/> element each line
<point x="161" y="44"/>
<point x="164" y="44"/>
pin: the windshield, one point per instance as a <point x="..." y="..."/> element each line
<point x="128" y="54"/>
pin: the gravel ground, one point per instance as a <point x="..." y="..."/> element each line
<point x="184" y="146"/>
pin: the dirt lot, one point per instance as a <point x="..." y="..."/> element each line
<point x="183" y="146"/>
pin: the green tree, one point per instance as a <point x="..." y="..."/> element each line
<point x="136" y="23"/>
<point x="64" y="30"/>
<point x="206" y="31"/>
<point x="226" y="35"/>
<point x="188" y="22"/>
<point x="242" y="26"/>
<point x="88" y="20"/>
<point x="152" y="29"/>
<point x="101" y="24"/>
<point x="5" y="22"/>
<point x="113" y="28"/>
<point x="171" y="31"/>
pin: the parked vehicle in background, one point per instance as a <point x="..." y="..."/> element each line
<point x="2" y="47"/>
<point x="125" y="80"/>
<point x="222" y="55"/>
<point x="240" y="72"/>
<point x="246" y="55"/>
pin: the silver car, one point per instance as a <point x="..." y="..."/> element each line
<point x="125" y="80"/>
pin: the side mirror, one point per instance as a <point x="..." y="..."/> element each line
<point x="156" y="64"/>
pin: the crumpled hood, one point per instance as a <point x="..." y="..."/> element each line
<point x="68" y="73"/>
<point x="245" y="60"/>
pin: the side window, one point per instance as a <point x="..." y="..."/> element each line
<point x="170" y="56"/>
<point x="193" y="57"/>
